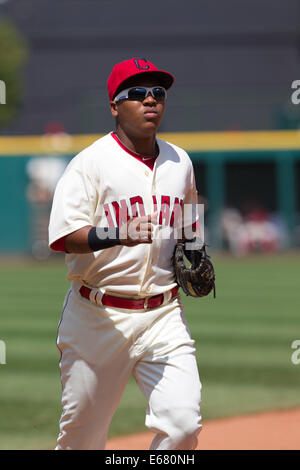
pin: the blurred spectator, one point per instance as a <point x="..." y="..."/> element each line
<point x="231" y="222"/>
<point x="256" y="232"/>
<point x="282" y="229"/>
<point x="56" y="139"/>
<point x="43" y="174"/>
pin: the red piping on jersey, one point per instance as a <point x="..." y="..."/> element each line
<point x="150" y="160"/>
<point x="59" y="245"/>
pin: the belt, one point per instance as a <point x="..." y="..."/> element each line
<point x="135" y="304"/>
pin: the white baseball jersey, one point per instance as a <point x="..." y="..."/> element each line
<point x="102" y="186"/>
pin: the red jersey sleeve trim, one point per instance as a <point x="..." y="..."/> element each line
<point x="59" y="245"/>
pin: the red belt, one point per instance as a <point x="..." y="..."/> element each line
<point x="121" y="302"/>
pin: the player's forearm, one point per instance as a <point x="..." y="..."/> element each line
<point x="89" y="239"/>
<point x="77" y="242"/>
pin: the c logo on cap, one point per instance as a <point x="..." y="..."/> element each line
<point x="139" y="66"/>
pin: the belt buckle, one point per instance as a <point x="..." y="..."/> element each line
<point x="146" y="302"/>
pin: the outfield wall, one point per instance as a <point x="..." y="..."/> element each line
<point x="227" y="166"/>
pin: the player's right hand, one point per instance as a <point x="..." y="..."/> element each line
<point x="138" y="230"/>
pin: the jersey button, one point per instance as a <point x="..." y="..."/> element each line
<point x="148" y="289"/>
<point x="147" y="173"/>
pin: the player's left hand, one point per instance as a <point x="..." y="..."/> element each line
<point x="199" y="279"/>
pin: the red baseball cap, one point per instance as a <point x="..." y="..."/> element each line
<point x="131" y="68"/>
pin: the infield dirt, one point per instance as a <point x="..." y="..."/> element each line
<point x="277" y="430"/>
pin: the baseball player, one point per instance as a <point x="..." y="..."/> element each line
<point x="114" y="214"/>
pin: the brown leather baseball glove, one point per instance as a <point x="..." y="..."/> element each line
<point x="198" y="280"/>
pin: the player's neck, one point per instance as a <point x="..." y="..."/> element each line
<point x="145" y="146"/>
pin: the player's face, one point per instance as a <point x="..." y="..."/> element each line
<point x="139" y="118"/>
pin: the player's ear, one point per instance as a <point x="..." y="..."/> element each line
<point x="114" y="109"/>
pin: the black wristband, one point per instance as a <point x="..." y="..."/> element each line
<point x="100" y="238"/>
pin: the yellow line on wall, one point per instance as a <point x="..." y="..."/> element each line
<point x="236" y="140"/>
<point x="190" y="141"/>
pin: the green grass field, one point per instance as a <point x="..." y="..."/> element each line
<point x="243" y="341"/>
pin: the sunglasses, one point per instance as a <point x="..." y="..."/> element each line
<point x="139" y="93"/>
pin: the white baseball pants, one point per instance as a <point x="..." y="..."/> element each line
<point x="101" y="347"/>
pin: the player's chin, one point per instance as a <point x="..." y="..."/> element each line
<point x="151" y="122"/>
